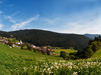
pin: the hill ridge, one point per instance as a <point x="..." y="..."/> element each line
<point x="43" y="37"/>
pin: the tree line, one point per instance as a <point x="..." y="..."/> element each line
<point x="87" y="52"/>
<point x="43" y="38"/>
<point x="92" y="47"/>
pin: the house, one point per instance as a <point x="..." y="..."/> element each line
<point x="14" y="45"/>
<point x="1" y="41"/>
<point x="6" y="41"/>
<point x="47" y="48"/>
<point x="19" y="43"/>
<point x="33" y="46"/>
<point x="39" y="48"/>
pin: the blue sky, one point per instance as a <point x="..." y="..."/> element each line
<point x="64" y="16"/>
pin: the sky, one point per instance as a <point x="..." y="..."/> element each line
<point x="63" y="16"/>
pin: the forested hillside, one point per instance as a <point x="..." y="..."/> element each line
<point x="42" y="38"/>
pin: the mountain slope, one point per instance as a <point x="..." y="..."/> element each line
<point x="91" y="36"/>
<point x="42" y="38"/>
<point x="12" y="59"/>
<point x="3" y="33"/>
<point x="97" y="54"/>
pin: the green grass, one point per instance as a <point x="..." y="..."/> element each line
<point x="97" y="54"/>
<point x="12" y="58"/>
<point x="0" y="37"/>
<point x="57" y="51"/>
<point x="14" y="61"/>
<point x="13" y="39"/>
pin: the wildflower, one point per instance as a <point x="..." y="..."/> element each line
<point x="10" y="46"/>
<point x="48" y="69"/>
<point x="25" y="68"/>
<point x="75" y="73"/>
<point x="70" y="67"/>
<point x="35" y="66"/>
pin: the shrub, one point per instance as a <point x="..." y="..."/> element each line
<point x="29" y="47"/>
<point x="34" y="50"/>
<point x="88" y="51"/>
<point x="48" y="52"/>
<point x="22" y="46"/>
<point x="10" y="43"/>
<point x="95" y="46"/>
<point x="74" y="53"/>
<point x="42" y="52"/>
<point x="63" y="54"/>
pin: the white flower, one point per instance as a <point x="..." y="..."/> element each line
<point x="36" y="67"/>
<point x="75" y="73"/>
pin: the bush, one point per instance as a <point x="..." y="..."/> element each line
<point x="29" y="47"/>
<point x="10" y="43"/>
<point x="74" y="53"/>
<point x="42" y="52"/>
<point x="88" y="52"/>
<point x="95" y="46"/>
<point x="34" y="50"/>
<point x="63" y="54"/>
<point x="48" y="52"/>
<point x="22" y="46"/>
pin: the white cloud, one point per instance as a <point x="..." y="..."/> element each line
<point x="87" y="23"/>
<point x="22" y="24"/>
<point x="81" y="23"/>
<point x="10" y="19"/>
<point x="15" y="13"/>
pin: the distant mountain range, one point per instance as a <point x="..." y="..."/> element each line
<point x="42" y="38"/>
<point x="91" y="36"/>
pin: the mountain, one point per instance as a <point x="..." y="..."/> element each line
<point x="5" y="34"/>
<point x="91" y="36"/>
<point x="42" y="38"/>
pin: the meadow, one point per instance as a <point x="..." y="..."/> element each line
<point x="14" y="61"/>
<point x="97" y="54"/>
<point x="57" y="51"/>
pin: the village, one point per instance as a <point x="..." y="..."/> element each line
<point x="12" y="42"/>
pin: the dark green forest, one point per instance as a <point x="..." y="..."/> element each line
<point x="91" y="48"/>
<point x="43" y="38"/>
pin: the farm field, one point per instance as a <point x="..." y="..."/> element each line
<point x="14" y="61"/>
<point x="57" y="51"/>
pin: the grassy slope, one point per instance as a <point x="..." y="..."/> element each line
<point x="12" y="58"/>
<point x="57" y="51"/>
<point x="97" y="54"/>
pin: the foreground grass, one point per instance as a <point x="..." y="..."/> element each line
<point x="80" y="67"/>
<point x="12" y="58"/>
<point x="14" y="61"/>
